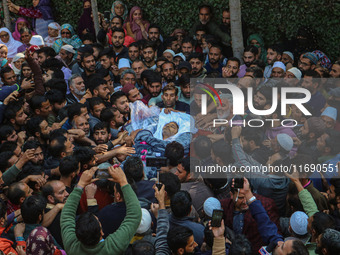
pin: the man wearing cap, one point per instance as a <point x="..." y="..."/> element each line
<point x="298" y="227"/>
<point x="279" y="70"/>
<point x="183" y="68"/>
<point x="293" y="77"/>
<point x="274" y="53"/>
<point x="131" y="92"/>
<point x="329" y="116"/>
<point x="288" y="59"/>
<point x="214" y="64"/>
<point x="66" y="53"/>
<point x="307" y="61"/>
<point x="169" y="54"/>
<point x="178" y="58"/>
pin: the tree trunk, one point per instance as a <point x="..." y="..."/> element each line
<point x="94" y="7"/>
<point x="236" y="28"/>
<point x="7" y="18"/>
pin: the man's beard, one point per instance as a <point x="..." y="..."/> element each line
<point x="170" y="104"/>
<point x="79" y="92"/>
<point x="39" y="163"/>
<point x="93" y="69"/>
<point x="248" y="64"/>
<point x="169" y="78"/>
<point x="223" y="115"/>
<point x="196" y="71"/>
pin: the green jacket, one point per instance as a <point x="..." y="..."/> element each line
<point x="115" y="243"/>
<point x="10" y="175"/>
<point x="308" y="203"/>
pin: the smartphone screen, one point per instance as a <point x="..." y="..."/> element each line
<point x="216" y="218"/>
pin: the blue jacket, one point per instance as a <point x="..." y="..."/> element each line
<point x="265" y="226"/>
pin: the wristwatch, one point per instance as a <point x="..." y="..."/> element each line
<point x="252" y="199"/>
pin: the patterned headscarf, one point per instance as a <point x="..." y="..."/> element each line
<point x="40" y="241"/>
<point x="68" y="27"/>
<point x="74" y="40"/>
<point x="323" y="59"/>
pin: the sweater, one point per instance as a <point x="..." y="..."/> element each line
<point x="117" y="242"/>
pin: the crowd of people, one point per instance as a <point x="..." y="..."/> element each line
<point x="91" y="123"/>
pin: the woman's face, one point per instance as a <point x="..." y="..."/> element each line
<point x="87" y="4"/>
<point x="21" y="24"/>
<point x="25" y="37"/>
<point x="258" y="45"/>
<point x="3" y="52"/>
<point x="137" y="15"/>
<point x="26" y="72"/>
<point x="65" y="33"/>
<point x="119" y="9"/>
<point x="19" y="62"/>
<point x="4" y="36"/>
<point x="35" y="3"/>
<point x="52" y="32"/>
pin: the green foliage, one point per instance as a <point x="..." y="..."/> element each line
<point x="274" y="20"/>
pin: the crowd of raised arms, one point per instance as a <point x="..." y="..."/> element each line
<point x="92" y="120"/>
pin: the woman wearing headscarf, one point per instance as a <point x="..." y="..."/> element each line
<point x="67" y="37"/>
<point x="85" y="24"/>
<point x="7" y="39"/>
<point x="40" y="241"/>
<point x="118" y="9"/>
<point x="256" y="40"/>
<point x="17" y="63"/>
<point x="135" y="26"/>
<point x="324" y="61"/>
<point x="19" y="24"/>
<point x="41" y="13"/>
<point x="53" y="34"/>
<point x="3" y="56"/>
